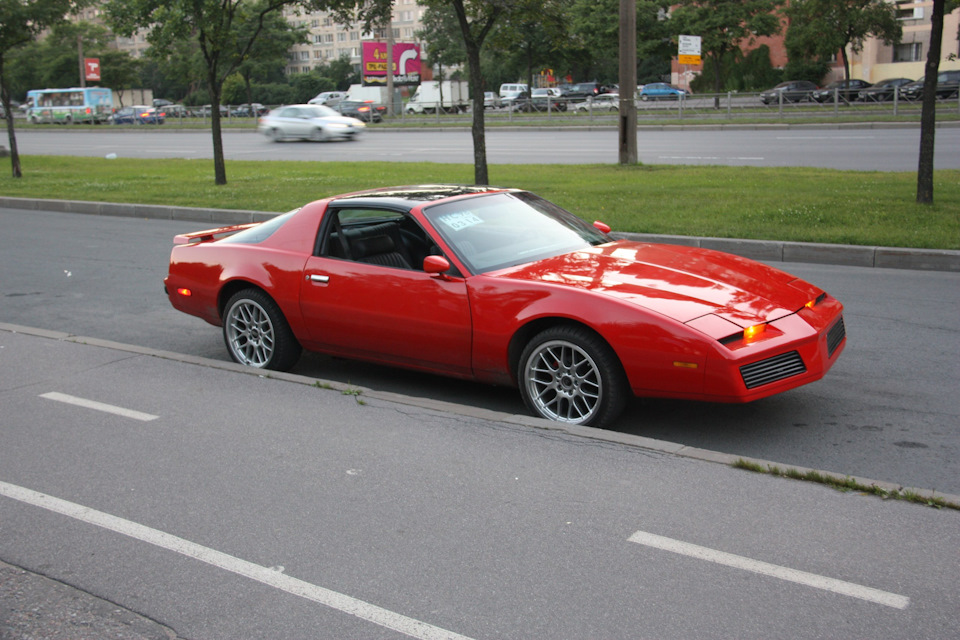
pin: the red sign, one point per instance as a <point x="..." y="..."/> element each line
<point x="91" y="68"/>
<point x="406" y="63"/>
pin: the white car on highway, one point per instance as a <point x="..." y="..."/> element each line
<point x="309" y="122"/>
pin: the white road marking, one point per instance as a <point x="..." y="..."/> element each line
<point x="99" y="406"/>
<point x="764" y="568"/>
<point x="265" y="575"/>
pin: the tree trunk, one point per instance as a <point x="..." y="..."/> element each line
<point x="11" y="134"/>
<point x="480" y="175"/>
<point x="219" y="166"/>
<point x="928" y="117"/>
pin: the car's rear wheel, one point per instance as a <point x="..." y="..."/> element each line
<point x="257" y="334"/>
<point x="274" y="134"/>
<point x="569" y="374"/>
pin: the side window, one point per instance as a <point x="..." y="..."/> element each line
<point x="375" y="236"/>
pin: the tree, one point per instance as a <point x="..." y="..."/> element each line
<point x="723" y="26"/>
<point x="595" y="40"/>
<point x="121" y="71"/>
<point x="534" y="33"/>
<point x="928" y="115"/>
<point x="225" y="32"/>
<point x="476" y="19"/>
<point x="269" y="50"/>
<point x="820" y="28"/>
<point x="442" y="40"/>
<point x="21" y="21"/>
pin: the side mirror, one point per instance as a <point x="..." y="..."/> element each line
<point x="435" y="265"/>
<point x="601" y="226"/>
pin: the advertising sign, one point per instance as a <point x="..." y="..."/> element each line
<point x="406" y="63"/>
<point x="91" y="68"/>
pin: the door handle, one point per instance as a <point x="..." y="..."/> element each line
<point x="318" y="278"/>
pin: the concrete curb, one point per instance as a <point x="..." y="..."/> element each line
<point x="626" y="439"/>
<point x="765" y="250"/>
<point x="810" y="252"/>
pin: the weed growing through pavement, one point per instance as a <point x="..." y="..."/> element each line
<point x="846" y="484"/>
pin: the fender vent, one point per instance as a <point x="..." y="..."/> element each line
<point x="835" y="336"/>
<point x="772" y="369"/>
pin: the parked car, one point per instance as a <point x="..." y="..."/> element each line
<point x="603" y="102"/>
<point x="491" y="100"/>
<point x="176" y="111"/>
<point x="792" y="91"/>
<point x="541" y="97"/>
<point x="329" y="98"/>
<point x="524" y="102"/>
<point x="582" y="90"/>
<point x="309" y="122"/>
<point x="249" y="110"/>
<point x="508" y="89"/>
<point x="362" y="110"/>
<point x="846" y="90"/>
<point x="207" y="110"/>
<point x="503" y="287"/>
<point x="883" y="90"/>
<point x="137" y="114"/>
<point x="661" y="91"/>
<point x="948" y="82"/>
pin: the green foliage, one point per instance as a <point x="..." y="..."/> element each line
<point x="804" y="69"/>
<point x="819" y="29"/>
<point x="725" y="25"/>
<point x="752" y="72"/>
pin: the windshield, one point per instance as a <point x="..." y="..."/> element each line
<point x="320" y="111"/>
<point x="505" y="229"/>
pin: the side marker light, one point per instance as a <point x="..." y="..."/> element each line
<point x="186" y="293"/>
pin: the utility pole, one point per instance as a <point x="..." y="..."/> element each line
<point x="628" y="81"/>
<point x="390" y="64"/>
<point x="83" y="71"/>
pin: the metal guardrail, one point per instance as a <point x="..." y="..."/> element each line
<point x="720" y="107"/>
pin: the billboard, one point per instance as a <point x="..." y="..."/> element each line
<point x="406" y="63"/>
<point x="91" y="68"/>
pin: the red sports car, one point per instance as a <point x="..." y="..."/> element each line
<point x="501" y="286"/>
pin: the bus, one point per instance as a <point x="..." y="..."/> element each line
<point x="68" y="106"/>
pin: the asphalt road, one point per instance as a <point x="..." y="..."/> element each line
<point x="867" y="149"/>
<point x="226" y="505"/>
<point x="888" y="410"/>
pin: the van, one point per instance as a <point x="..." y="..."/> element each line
<point x="512" y="90"/>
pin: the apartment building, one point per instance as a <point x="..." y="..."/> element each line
<point x="907" y="59"/>
<point x="329" y="40"/>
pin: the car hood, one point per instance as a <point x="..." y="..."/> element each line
<point x="682" y="283"/>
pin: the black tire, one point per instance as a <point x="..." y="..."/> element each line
<point x="256" y="333"/>
<point x="569" y="374"/>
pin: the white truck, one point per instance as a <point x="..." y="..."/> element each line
<point x="451" y="96"/>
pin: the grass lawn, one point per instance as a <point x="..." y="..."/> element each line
<point x="796" y="204"/>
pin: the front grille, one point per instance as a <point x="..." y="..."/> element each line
<point x="772" y="369"/>
<point x="835" y="336"/>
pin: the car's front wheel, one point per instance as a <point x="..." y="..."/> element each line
<point x="569" y="374"/>
<point x="257" y="334"/>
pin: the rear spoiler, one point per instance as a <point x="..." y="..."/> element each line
<point x="211" y="234"/>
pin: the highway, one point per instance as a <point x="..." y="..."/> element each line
<point x="854" y="148"/>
